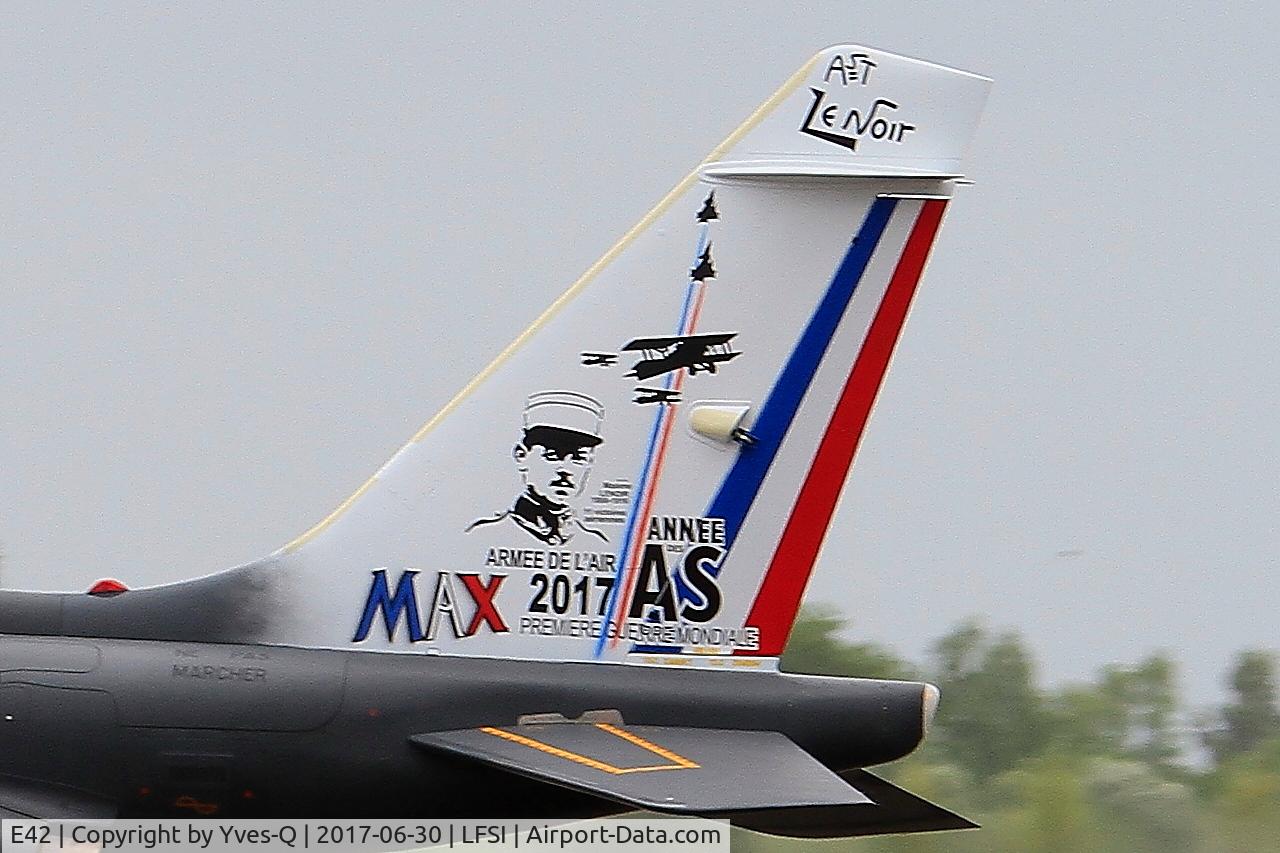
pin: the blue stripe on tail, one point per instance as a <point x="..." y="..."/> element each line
<point x="743" y="482"/>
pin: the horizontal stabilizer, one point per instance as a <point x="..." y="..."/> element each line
<point x="893" y="811"/>
<point x="660" y="768"/>
<point x="24" y="798"/>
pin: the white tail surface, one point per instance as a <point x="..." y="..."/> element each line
<point x="648" y="472"/>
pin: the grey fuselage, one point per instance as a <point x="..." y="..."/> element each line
<point x="147" y="704"/>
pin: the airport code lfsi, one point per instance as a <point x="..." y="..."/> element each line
<point x="692" y="835"/>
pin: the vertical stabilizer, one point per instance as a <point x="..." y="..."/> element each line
<point x="648" y="472"/>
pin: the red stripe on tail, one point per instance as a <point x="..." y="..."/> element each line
<point x="779" y="597"/>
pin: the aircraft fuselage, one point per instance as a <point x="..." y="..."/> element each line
<point x="179" y="728"/>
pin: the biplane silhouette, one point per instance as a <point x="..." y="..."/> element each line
<point x="599" y="359"/>
<point x="646" y="396"/>
<point x="692" y="352"/>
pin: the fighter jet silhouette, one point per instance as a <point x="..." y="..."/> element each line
<point x="599" y="359"/>
<point x="704" y="270"/>
<point x="645" y="396"/>
<point x="709" y="212"/>
<point x="695" y="352"/>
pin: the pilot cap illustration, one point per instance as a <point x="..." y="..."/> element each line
<point x="576" y="416"/>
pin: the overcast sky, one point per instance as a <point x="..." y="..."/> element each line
<point x="245" y="253"/>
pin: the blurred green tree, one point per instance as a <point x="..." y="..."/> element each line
<point x="1042" y="805"/>
<point x="1138" y="809"/>
<point x="1130" y="711"/>
<point x="1245" y="804"/>
<point x="1252" y="716"/>
<point x="992" y="715"/>
<point x="1086" y="720"/>
<point x="1089" y="767"/>
<point x="1144" y="700"/>
<point x="816" y="648"/>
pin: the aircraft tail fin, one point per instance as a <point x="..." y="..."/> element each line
<point x="647" y="473"/>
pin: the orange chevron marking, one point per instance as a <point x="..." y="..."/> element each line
<point x="678" y="762"/>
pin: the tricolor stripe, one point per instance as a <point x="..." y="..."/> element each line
<point x="742" y="484"/>
<point x="744" y="480"/>
<point x="651" y="471"/>
<point x="773" y="607"/>
<point x="784" y="582"/>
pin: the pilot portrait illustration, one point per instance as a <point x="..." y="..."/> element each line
<point x="554" y="457"/>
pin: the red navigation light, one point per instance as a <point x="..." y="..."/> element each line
<point x="108" y="587"/>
